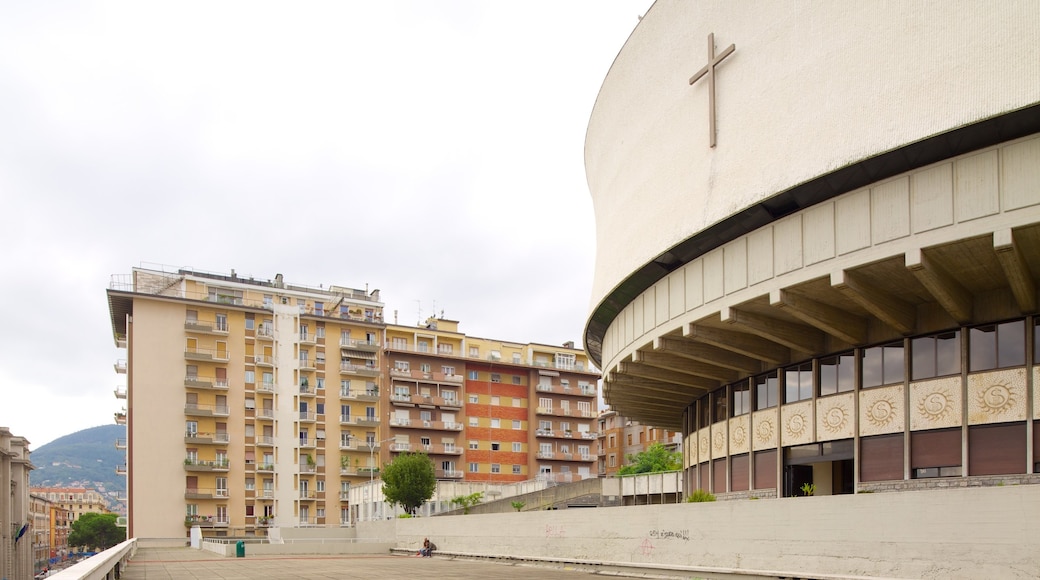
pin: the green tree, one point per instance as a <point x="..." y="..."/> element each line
<point x="97" y="531"/>
<point x="467" y="501"/>
<point x="409" y="480"/>
<point x="656" y="458"/>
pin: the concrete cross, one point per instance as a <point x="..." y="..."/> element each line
<point x="709" y="69"/>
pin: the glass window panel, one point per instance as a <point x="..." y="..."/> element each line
<point x="1011" y="345"/>
<point x="766" y="391"/>
<point x="894" y="364"/>
<point x="983" y="347"/>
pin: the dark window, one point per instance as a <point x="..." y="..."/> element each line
<point x="704" y="412"/>
<point x="739" y="476"/>
<point x="883" y="365"/>
<point x="938" y="355"/>
<point x="767" y="391"/>
<point x="837" y="374"/>
<point x="881" y="457"/>
<point x="935" y="453"/>
<point x="765" y="469"/>
<point x="718" y="476"/>
<point x="997" y="346"/>
<point x="720" y="405"/>
<point x="997" y="449"/>
<point x="798" y="383"/>
<point x="741" y="399"/>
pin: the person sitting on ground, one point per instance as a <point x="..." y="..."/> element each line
<point x="424" y="550"/>
<point x="429" y="549"/>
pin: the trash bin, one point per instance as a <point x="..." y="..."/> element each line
<point x="240" y="549"/>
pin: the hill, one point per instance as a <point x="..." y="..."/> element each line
<point x="86" y="458"/>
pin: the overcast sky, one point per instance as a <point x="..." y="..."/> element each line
<point x="430" y="149"/>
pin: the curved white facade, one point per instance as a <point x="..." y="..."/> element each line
<point x="811" y="88"/>
<point x="842" y="291"/>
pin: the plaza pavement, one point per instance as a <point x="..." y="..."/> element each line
<point x="187" y="563"/>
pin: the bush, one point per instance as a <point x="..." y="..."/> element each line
<point x="699" y="496"/>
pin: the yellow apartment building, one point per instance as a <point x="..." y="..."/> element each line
<point x="256" y="403"/>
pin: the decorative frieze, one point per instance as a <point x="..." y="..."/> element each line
<point x="739" y="434"/>
<point x="881" y="411"/>
<point x="718" y="440"/>
<point x="796" y="422"/>
<point x="835" y="417"/>
<point x="936" y="404"/>
<point x="997" y="397"/>
<point x="766" y="427"/>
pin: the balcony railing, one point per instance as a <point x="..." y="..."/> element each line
<point x="359" y="344"/>
<point x="120" y="392"/>
<point x="426" y="376"/>
<point x="120" y="443"/>
<point x="120" y="417"/>
<point x="264" y="332"/>
<point x="308" y="416"/>
<point x="201" y="382"/>
<point x="448" y="474"/>
<point x="353" y="369"/>
<point x="204" y="465"/>
<point x="265" y="387"/>
<point x="206" y="410"/>
<point x="263" y="360"/>
<point x="359" y="395"/>
<point x="120" y="366"/>
<point x="205" y="354"/>
<point x="265" y="413"/>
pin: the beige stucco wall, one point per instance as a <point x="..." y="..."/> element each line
<point x="811" y="87"/>
<point x="989" y="532"/>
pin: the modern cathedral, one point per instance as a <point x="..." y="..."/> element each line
<point x="818" y="237"/>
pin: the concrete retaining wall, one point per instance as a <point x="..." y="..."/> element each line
<point x="990" y="532"/>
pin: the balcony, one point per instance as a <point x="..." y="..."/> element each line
<point x="308" y="495"/>
<point x="307" y="468"/>
<point x="263" y="360"/>
<point x="307" y="416"/>
<point x="348" y="445"/>
<point x="359" y="395"/>
<point x="265" y="387"/>
<point x="191" y="464"/>
<point x="265" y="441"/>
<point x="307" y="364"/>
<point x="307" y="338"/>
<point x="265" y="414"/>
<point x="194" y="410"/>
<point x="206" y="521"/>
<point x="420" y="424"/>
<point x="206" y="354"/>
<point x="307" y="443"/>
<point x="120" y="443"/>
<point x="366" y="421"/>
<point x="120" y="417"/>
<point x="120" y="366"/>
<point x="360" y="345"/>
<point x="306" y="388"/>
<point x="201" y="493"/>
<point x="440" y="449"/>
<point x="359" y="370"/>
<point x="546" y="455"/>
<point x="205" y="326"/>
<point x="400" y="447"/>
<point x="448" y="474"/>
<point x="264" y="332"/>
<point x="435" y="377"/>
<point x="200" y="438"/>
<point x="200" y="382"/>
<point x="368" y="445"/>
<point x="265" y="468"/>
<point x="120" y="392"/>
<point x="121" y="469"/>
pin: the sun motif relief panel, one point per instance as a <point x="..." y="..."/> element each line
<point x="936" y="404"/>
<point x="881" y="411"/>
<point x="703" y="444"/>
<point x="796" y="423"/>
<point x="691" y="449"/>
<point x="739" y="434"/>
<point x="997" y="397"/>
<point x="718" y="440"/>
<point x="765" y="425"/>
<point x="835" y="417"/>
<point x="1036" y="393"/>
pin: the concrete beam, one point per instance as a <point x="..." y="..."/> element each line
<point x="794" y="336"/>
<point x="834" y="321"/>
<point x="648" y="372"/>
<point x="948" y="292"/>
<point x="1016" y="270"/>
<point x="707" y="353"/>
<point x="740" y="342"/>
<point x="684" y="365"/>
<point x="894" y="312"/>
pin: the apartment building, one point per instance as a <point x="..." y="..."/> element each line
<point x="16" y="549"/>
<point x="488" y="410"/>
<point x="76" y="500"/>
<point x="621" y="437"/>
<point x="50" y="531"/>
<point x="232" y="393"/>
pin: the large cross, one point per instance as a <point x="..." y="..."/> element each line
<point x="709" y="69"/>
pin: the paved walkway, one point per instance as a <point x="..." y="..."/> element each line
<point x="186" y="563"/>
